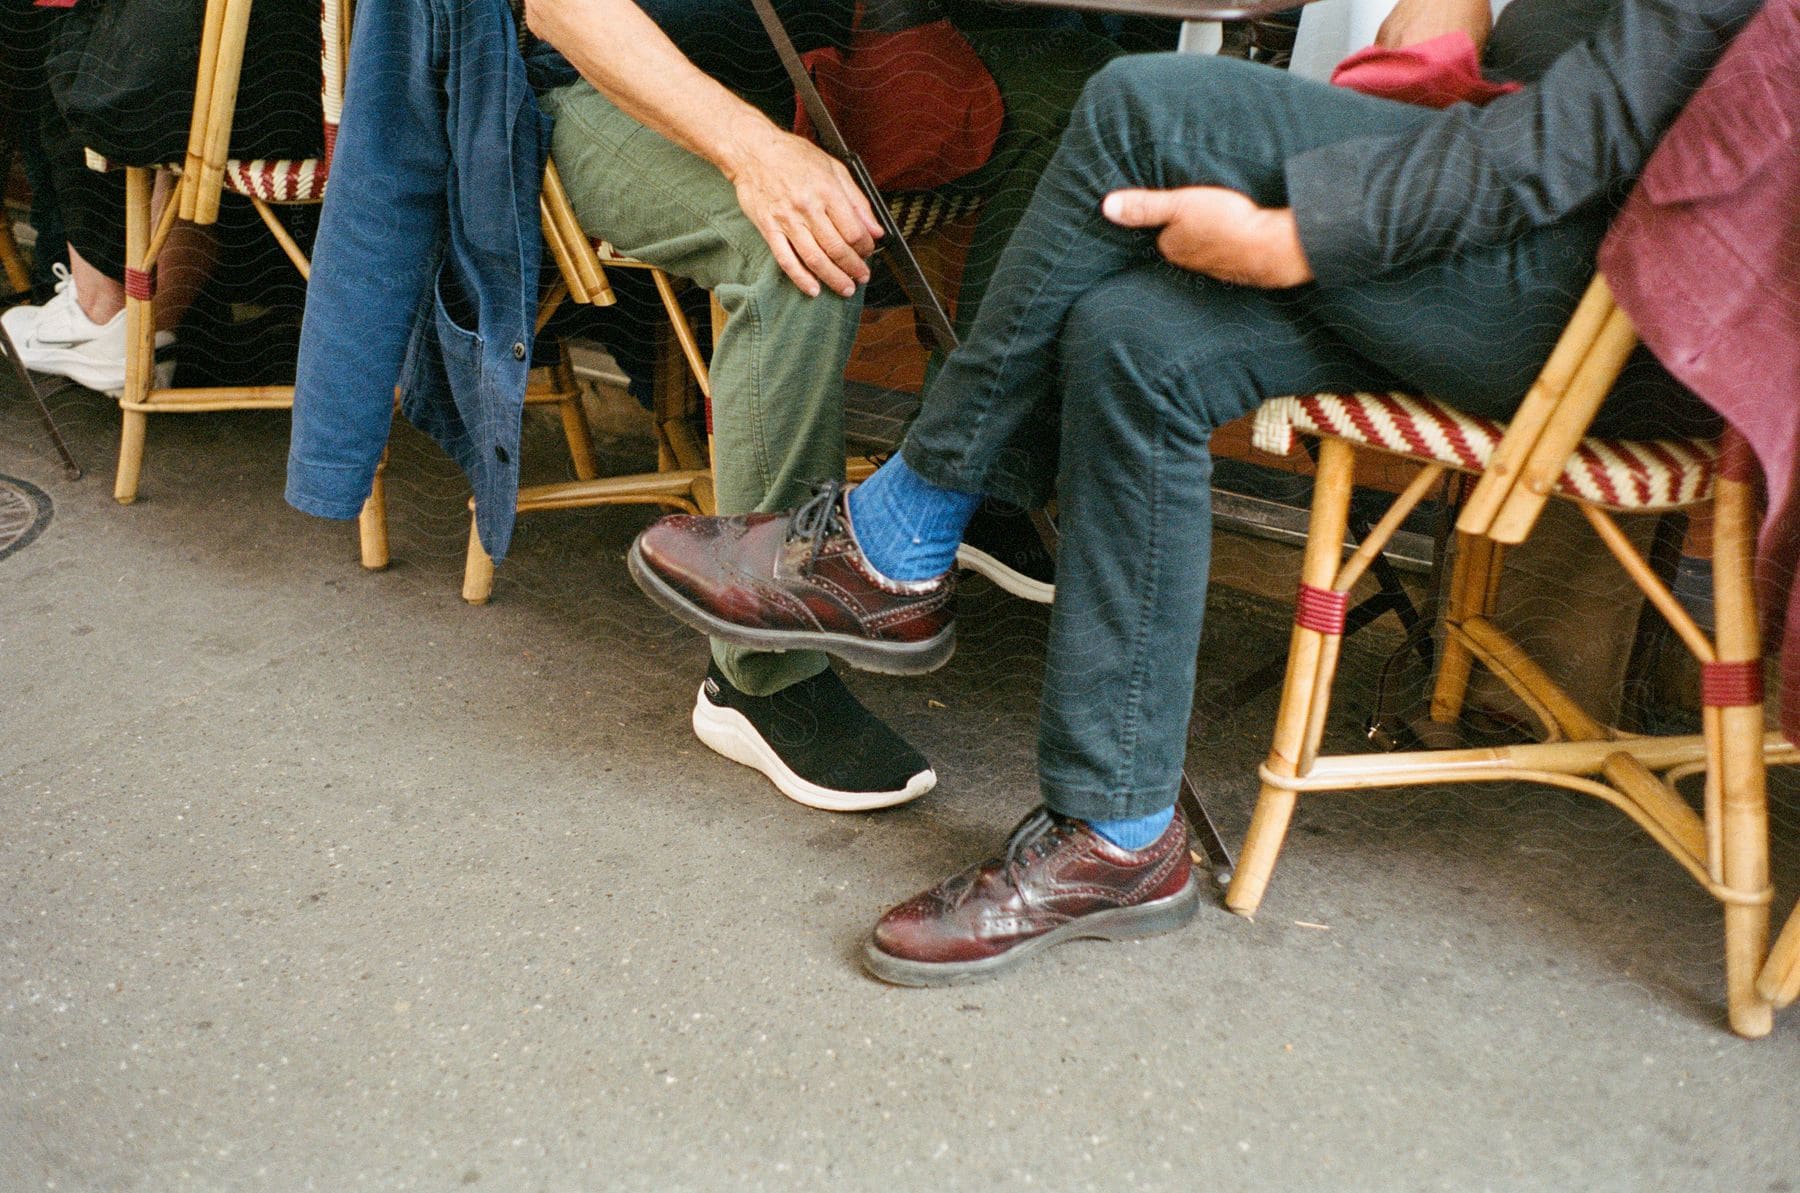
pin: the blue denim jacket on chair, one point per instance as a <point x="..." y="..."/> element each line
<point x="425" y="268"/>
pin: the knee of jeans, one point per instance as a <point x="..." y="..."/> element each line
<point x="1110" y="89"/>
<point x="1151" y="93"/>
<point x="1118" y="367"/>
<point x="1103" y="346"/>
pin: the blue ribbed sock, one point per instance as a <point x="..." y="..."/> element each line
<point x="907" y="527"/>
<point x="1136" y="832"/>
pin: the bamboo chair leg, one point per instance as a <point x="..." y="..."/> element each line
<point x="674" y="409"/>
<point x="221" y="105"/>
<point x="719" y="318"/>
<point x="1780" y="981"/>
<point x="1274" y="805"/>
<point x="212" y="29"/>
<point x="140" y="338"/>
<point x="574" y="419"/>
<point x="131" y="456"/>
<point x="1472" y="594"/>
<point x="478" y="570"/>
<point x="372" y="526"/>
<point x="1739" y="750"/>
<point x="1305" y="692"/>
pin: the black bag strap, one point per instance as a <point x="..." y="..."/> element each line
<point x="893" y="247"/>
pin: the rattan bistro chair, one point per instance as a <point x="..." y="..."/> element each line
<point x="1543" y="454"/>
<point x="205" y="172"/>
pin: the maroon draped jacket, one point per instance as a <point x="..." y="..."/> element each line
<point x="1705" y="258"/>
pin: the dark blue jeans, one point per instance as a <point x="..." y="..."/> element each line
<point x="1086" y="330"/>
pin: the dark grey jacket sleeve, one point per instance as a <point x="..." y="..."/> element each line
<point x="1478" y="176"/>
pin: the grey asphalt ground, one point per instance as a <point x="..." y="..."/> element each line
<point x="323" y="880"/>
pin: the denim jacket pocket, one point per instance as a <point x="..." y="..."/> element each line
<point x="458" y="318"/>
<point x="1728" y="132"/>
<point x="462" y="356"/>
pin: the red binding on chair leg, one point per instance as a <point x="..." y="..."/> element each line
<point x="140" y="284"/>
<point x="1321" y="609"/>
<point x="1731" y="685"/>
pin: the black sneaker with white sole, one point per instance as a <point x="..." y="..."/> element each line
<point x="815" y="741"/>
<point x="1002" y="543"/>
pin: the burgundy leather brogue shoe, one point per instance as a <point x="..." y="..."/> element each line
<point x="1056" y="880"/>
<point x="795" y="581"/>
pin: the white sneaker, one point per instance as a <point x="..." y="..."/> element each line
<point x="58" y="338"/>
<point x="815" y="741"/>
<point x="60" y="320"/>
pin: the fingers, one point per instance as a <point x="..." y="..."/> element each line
<point x="1139" y="208"/>
<point x="827" y="257"/>
<point x="806" y="205"/>
<point x="849" y="219"/>
<point x="788" y="260"/>
<point x="810" y="250"/>
<point x="859" y="204"/>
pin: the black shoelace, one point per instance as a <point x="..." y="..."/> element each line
<point x="818" y="517"/>
<point x="1033" y="831"/>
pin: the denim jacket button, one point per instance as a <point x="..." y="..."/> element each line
<point x="519" y="350"/>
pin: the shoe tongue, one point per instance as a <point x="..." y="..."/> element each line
<point x="819" y="514"/>
<point x="1034" y="829"/>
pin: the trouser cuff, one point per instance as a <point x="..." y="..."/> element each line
<point x="1089" y="804"/>
<point x="765" y="672"/>
<point x="950" y="473"/>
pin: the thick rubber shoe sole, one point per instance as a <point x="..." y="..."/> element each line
<point x="103" y="379"/>
<point x="1122" y="923"/>
<point x="1016" y="582"/>
<point x="887" y="658"/>
<point x="729" y="732"/>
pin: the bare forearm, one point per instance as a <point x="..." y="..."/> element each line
<point x="633" y="63"/>
<point x="801" y="200"/>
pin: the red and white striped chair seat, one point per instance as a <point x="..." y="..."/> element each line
<point x="302" y="180"/>
<point x="278" y="181"/>
<point x="1617" y="474"/>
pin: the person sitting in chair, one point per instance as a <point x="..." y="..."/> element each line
<point x="1211" y="233"/>
<point x="667" y="148"/>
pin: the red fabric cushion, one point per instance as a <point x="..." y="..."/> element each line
<point x="1435" y="73"/>
<point x="916" y="105"/>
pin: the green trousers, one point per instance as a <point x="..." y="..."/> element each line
<point x="777" y="372"/>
